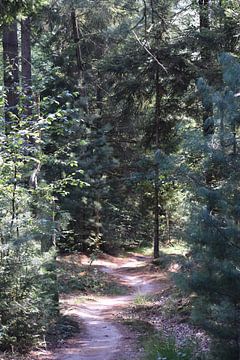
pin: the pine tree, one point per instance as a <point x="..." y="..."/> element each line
<point x="11" y="73"/>
<point x="213" y="271"/>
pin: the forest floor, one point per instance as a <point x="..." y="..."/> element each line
<point x="103" y="334"/>
<point x="114" y="305"/>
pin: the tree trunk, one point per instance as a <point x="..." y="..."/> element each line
<point x="80" y="67"/>
<point x="204" y="22"/>
<point x="152" y="11"/>
<point x="204" y="14"/>
<point x="158" y="91"/>
<point x="26" y="64"/>
<point x="26" y="77"/>
<point x="76" y="37"/>
<point x="168" y="227"/>
<point x="156" y="215"/>
<point x="11" y="74"/>
<point x="156" y="191"/>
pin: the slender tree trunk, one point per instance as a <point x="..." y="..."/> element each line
<point x="51" y="266"/>
<point x="204" y="14"/>
<point x="99" y="97"/>
<point x="26" y="77"/>
<point x="222" y="130"/>
<point x="152" y="10"/>
<point x="26" y="64"/>
<point x="158" y="92"/>
<point x="145" y="17"/>
<point x="234" y="138"/>
<point x="156" y="215"/>
<point x="204" y="23"/>
<point x="80" y="67"/>
<point x="11" y="74"/>
<point x="156" y="190"/>
<point x="76" y="36"/>
<point x="168" y="227"/>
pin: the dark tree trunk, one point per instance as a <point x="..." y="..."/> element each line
<point x="99" y="96"/>
<point x="76" y="36"/>
<point x="158" y="91"/>
<point x="26" y="61"/>
<point x="11" y="74"/>
<point x="204" y="14"/>
<point x="80" y="67"/>
<point x="156" y="191"/>
<point x="26" y="77"/>
<point x="156" y="216"/>
<point x="204" y="22"/>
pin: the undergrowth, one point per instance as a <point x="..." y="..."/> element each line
<point x="160" y="348"/>
<point x="86" y="279"/>
<point x="63" y="328"/>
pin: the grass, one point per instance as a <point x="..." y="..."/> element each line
<point x="64" y="328"/>
<point x="86" y="279"/>
<point x="144" y="250"/>
<point x="141" y="299"/>
<point x="171" y="254"/>
<point x="158" y="348"/>
<point x="175" y="248"/>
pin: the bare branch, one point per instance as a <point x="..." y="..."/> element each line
<point x="149" y="52"/>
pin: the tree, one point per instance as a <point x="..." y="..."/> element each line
<point x="212" y="274"/>
<point x="26" y="61"/>
<point x="11" y="74"/>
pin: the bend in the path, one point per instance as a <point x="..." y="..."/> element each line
<point x="102" y="338"/>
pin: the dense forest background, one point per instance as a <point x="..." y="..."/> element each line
<point x="119" y="127"/>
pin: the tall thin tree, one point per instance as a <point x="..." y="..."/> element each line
<point x="26" y="60"/>
<point x="11" y="73"/>
<point x="204" y="25"/>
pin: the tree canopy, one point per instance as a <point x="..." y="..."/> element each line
<point x="119" y="128"/>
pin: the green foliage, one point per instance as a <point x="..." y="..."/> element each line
<point x="29" y="291"/>
<point x="10" y="9"/>
<point x="160" y="348"/>
<point x="93" y="133"/>
<point x="164" y="261"/>
<point x="86" y="279"/>
<point x="25" y="300"/>
<point x="212" y="271"/>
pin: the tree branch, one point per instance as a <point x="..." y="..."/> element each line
<point x="149" y="52"/>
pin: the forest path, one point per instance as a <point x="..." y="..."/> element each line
<point x="103" y="338"/>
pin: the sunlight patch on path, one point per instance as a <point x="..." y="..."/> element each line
<point x="102" y="339"/>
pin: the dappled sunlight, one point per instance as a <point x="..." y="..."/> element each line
<point x="102" y="338"/>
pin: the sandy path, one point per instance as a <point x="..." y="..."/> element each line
<point x="103" y="338"/>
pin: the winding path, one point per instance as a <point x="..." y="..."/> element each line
<point x="103" y="338"/>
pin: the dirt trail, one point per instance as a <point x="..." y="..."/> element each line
<point x="103" y="338"/>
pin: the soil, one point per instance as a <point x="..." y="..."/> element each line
<point x="102" y="336"/>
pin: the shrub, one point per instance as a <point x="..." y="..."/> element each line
<point x="26" y="300"/>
